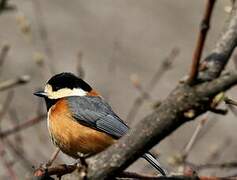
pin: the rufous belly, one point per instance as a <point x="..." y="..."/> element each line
<point x="72" y="137"/>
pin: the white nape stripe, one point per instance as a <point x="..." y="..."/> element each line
<point x="78" y="92"/>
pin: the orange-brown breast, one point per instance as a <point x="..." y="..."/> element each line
<point x="72" y="137"/>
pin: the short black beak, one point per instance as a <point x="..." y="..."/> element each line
<point x="40" y="94"/>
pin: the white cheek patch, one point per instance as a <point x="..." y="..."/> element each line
<point x="65" y="92"/>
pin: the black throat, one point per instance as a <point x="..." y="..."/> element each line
<point x="50" y="102"/>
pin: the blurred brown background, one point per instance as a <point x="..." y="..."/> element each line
<point x="118" y="40"/>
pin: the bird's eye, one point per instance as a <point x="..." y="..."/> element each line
<point x="56" y="88"/>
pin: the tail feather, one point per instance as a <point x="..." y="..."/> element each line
<point x="154" y="162"/>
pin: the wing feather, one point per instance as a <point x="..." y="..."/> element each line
<point x="94" y="112"/>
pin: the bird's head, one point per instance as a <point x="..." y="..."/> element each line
<point x="64" y="85"/>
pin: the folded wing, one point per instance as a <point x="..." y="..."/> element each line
<point x="96" y="113"/>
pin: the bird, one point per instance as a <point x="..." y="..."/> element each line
<point x="80" y="122"/>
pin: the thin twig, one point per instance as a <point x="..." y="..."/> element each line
<point x="165" y="66"/>
<point x="230" y="101"/>
<point x="222" y="165"/>
<point x="215" y="102"/>
<point x="212" y="121"/>
<point x="6" y="104"/>
<point x="53" y="157"/>
<point x="204" y="27"/>
<point x="233" y="6"/>
<point x="4" y="6"/>
<point x="18" y="138"/>
<point x="3" y="53"/>
<point x="193" y="138"/>
<point x="234" y="58"/>
<point x="43" y="34"/>
<point x="212" y="66"/>
<point x="14" y="82"/>
<point x="40" y="107"/>
<point x="24" y="125"/>
<point x="232" y="109"/>
<point x="18" y="153"/>
<point x="80" y="69"/>
<point x="58" y="170"/>
<point x="6" y="163"/>
<point x="136" y="83"/>
<point x="215" y="153"/>
<point x="112" y="67"/>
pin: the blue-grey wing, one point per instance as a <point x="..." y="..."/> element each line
<point x="94" y="112"/>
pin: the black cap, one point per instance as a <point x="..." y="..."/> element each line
<point x="68" y="80"/>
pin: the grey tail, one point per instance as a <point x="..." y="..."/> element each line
<point x="154" y="162"/>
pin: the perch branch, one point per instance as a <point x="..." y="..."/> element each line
<point x="61" y="170"/>
<point x="156" y="126"/>
<point x="169" y="115"/>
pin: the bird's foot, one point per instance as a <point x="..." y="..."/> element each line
<point x="81" y="160"/>
<point x="82" y="165"/>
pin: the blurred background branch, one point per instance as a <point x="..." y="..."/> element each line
<point x="14" y="82"/>
<point x="4" y="6"/>
<point x="145" y="93"/>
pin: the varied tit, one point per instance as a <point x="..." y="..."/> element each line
<point x="80" y="121"/>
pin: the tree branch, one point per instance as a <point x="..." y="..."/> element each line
<point x="170" y="114"/>
<point x="215" y="62"/>
<point x="63" y="169"/>
<point x="156" y="126"/>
